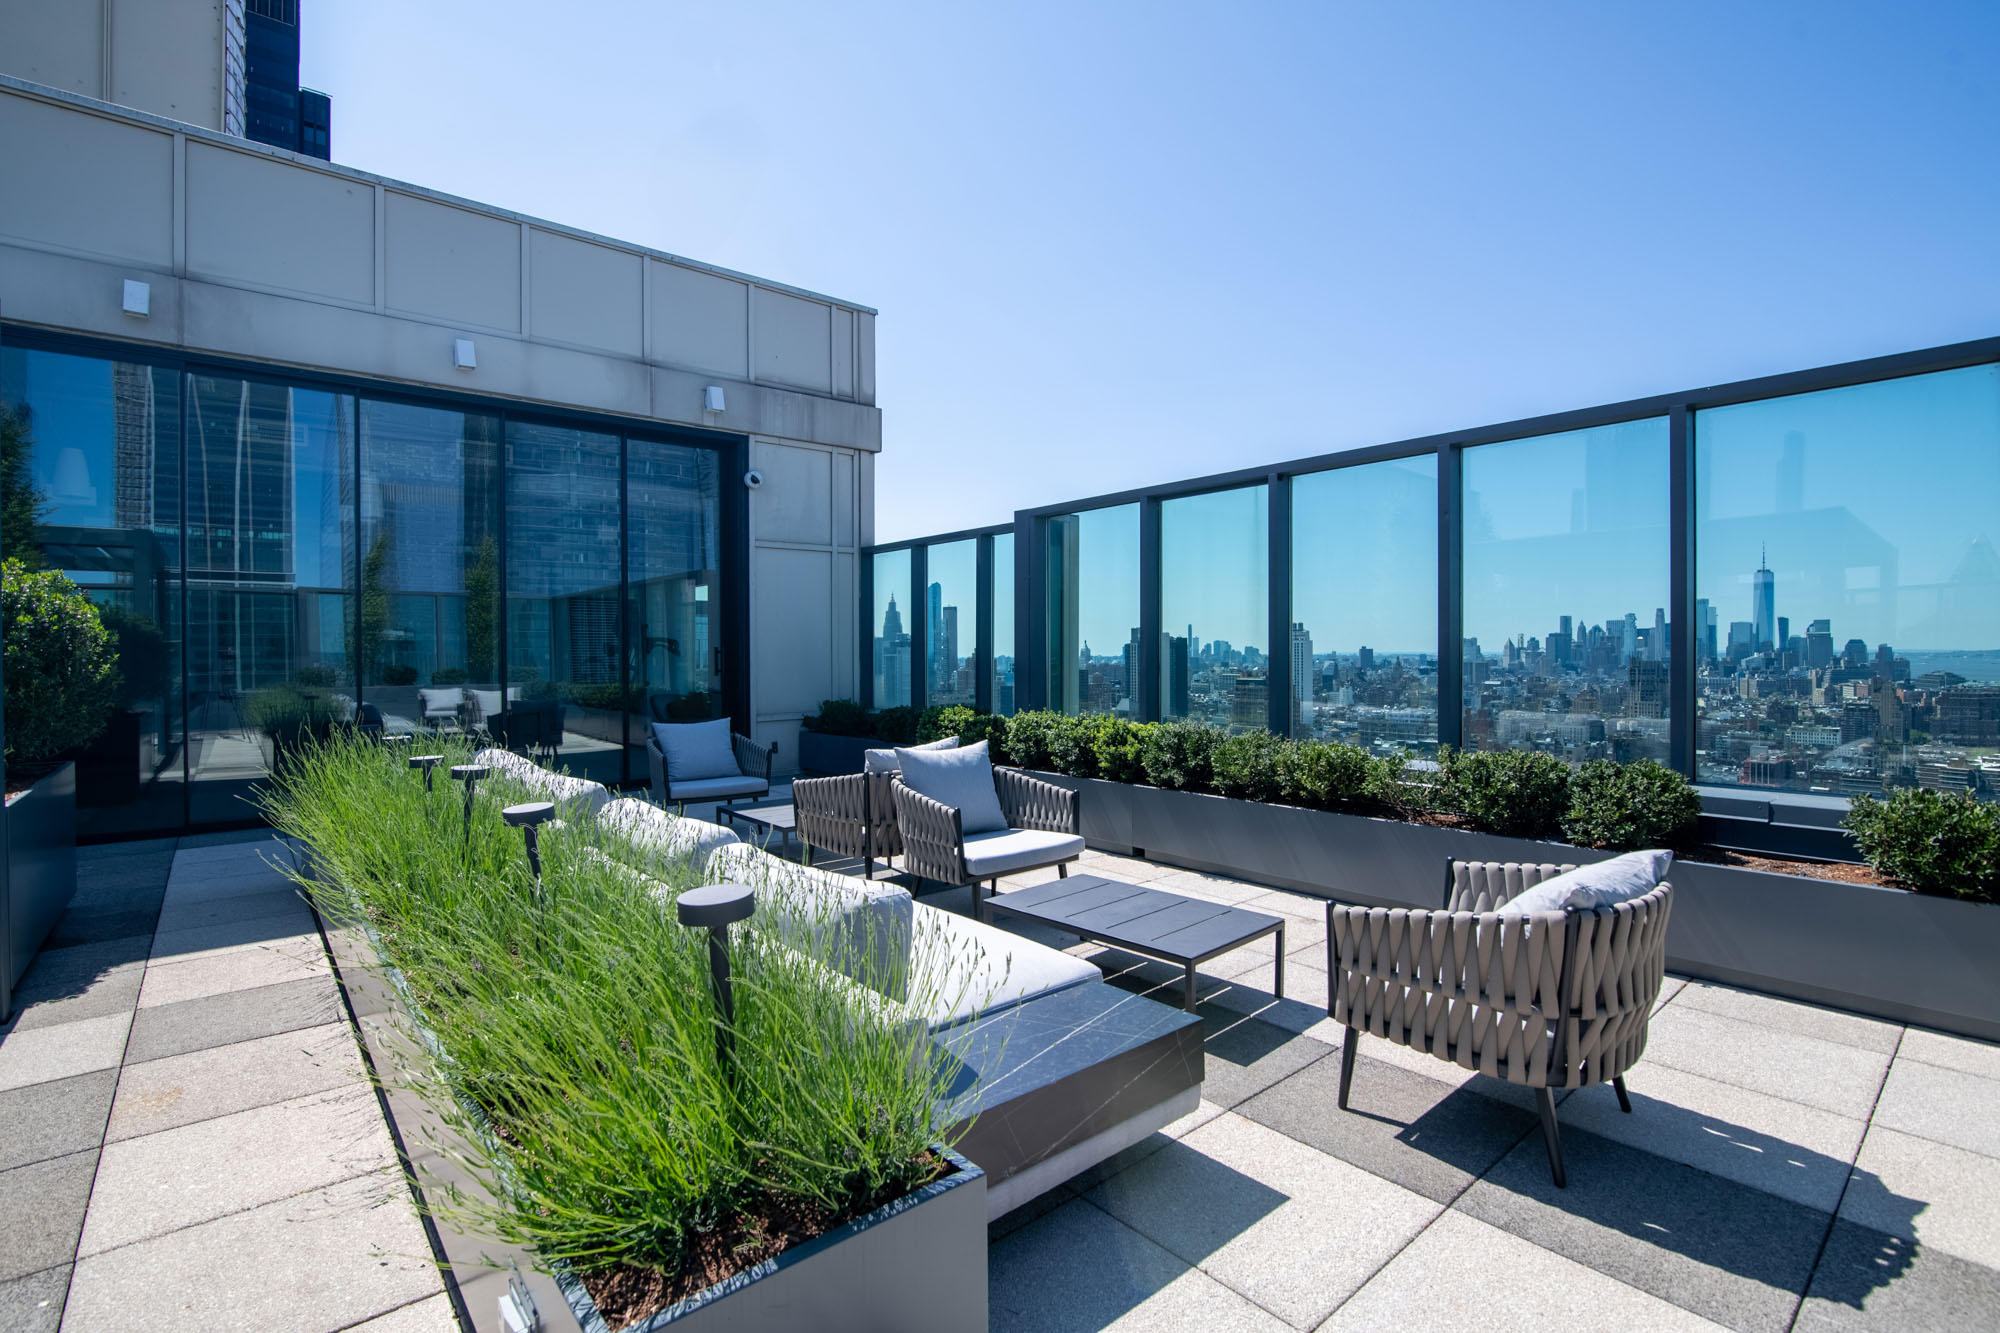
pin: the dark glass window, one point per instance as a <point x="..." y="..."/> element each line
<point x="674" y="613"/>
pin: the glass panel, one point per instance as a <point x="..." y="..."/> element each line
<point x="1215" y="562"/>
<point x="1002" y="691"/>
<point x="1364" y="605"/>
<point x="1093" y="611"/>
<point x="673" y="513"/>
<point x="1850" y="589"/>
<point x="565" y="692"/>
<point x="1566" y="571"/>
<point x="951" y="612"/>
<point x="892" y="639"/>
<point x="103" y="447"/>
<point x="430" y="564"/>
<point x="270" y="546"/>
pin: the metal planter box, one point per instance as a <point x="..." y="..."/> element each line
<point x="1896" y="955"/>
<point x="823" y="755"/>
<point x="40" y="874"/>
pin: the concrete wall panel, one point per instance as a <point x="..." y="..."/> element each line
<point x="793" y="505"/>
<point x="864" y="357"/>
<point x="700" y="321"/>
<point x="166" y="58"/>
<point x="791" y="625"/>
<point x="86" y="183"/>
<point x="451" y="263"/>
<point x="843" y="352"/>
<point x="793" y="340"/>
<point x="61" y="45"/>
<point x="585" y="294"/>
<point x="267" y="222"/>
<point x="83" y="296"/>
<point x="845" y="515"/>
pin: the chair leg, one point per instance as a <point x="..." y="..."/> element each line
<point x="1348" y="1046"/>
<point x="1546" y="1100"/>
<point x="1062" y="870"/>
<point x="1624" y="1099"/>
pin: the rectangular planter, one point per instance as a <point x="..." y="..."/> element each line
<point x="40" y="875"/>
<point x="823" y="755"/>
<point x="1885" y="952"/>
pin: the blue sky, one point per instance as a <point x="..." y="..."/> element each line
<point x="1119" y="244"/>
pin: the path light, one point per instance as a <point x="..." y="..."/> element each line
<point x="526" y="818"/>
<point x="469" y="774"/>
<point x="427" y="762"/>
<point x="716" y="907"/>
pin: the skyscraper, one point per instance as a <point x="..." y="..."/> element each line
<point x="277" y="111"/>
<point x="1764" y="605"/>
<point x="1302" y="670"/>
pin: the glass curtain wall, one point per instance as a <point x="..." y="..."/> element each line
<point x="951" y="623"/>
<point x="1364" y="631"/>
<point x="1566" y="568"/>
<point x="430" y="563"/>
<point x="1215" y="619"/>
<point x="1001" y="686"/>
<point x="102" y="442"/>
<point x="891" y="574"/>
<point x="1093" y="611"/>
<point x="674" y="626"/>
<point x="565" y="648"/>
<point x="270" y="552"/>
<point x="1849" y="586"/>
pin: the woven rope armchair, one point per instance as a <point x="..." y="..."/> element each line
<point x="853" y="814"/>
<point x="935" y="845"/>
<point x="1546" y="1000"/>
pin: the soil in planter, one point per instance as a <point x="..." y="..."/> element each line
<point x="766" y="1227"/>
<point x="1844" y="872"/>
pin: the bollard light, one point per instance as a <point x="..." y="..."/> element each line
<point x="715" y="908"/>
<point x="426" y="762"/>
<point x="527" y="818"/>
<point x="469" y="774"/>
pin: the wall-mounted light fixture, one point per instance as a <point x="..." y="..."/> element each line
<point x="711" y="399"/>
<point x="138" y="298"/>
<point x="462" y="354"/>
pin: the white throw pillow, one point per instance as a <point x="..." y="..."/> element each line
<point x="884" y="761"/>
<point x="1618" y="880"/>
<point x="961" y="778"/>
<point x="697" y="750"/>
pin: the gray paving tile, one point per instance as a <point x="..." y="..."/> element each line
<point x="198" y="887"/>
<point x="101" y="925"/>
<point x="1144" y="1148"/>
<point x="222" y="1080"/>
<point x="200" y="846"/>
<point x="1869" y="1280"/>
<point x="1081" y="1269"/>
<point x="34" y="1303"/>
<point x="203" y="912"/>
<point x="182" y="1177"/>
<point x="1247" y="1055"/>
<point x="1945" y="1198"/>
<point x="1461" y="1274"/>
<point x="1947" y="1105"/>
<point x="1965" y="1054"/>
<point x="43" y="1204"/>
<point x="71" y="971"/>
<point x="1869" y="1034"/>
<point x="45" y="1120"/>
<point x="217" y="1020"/>
<point x="115" y="991"/>
<point x="1827" y="1074"/>
<point x="218" y="974"/>
<point x="1284" y="1224"/>
<point x="1034" y="1209"/>
<point x="115" y="851"/>
<point x="1407" y="1129"/>
<point x="1723" y="1250"/>
<point x="288" y="925"/>
<point x="41" y="1055"/>
<point x="430" y="1315"/>
<point x="321" y="1260"/>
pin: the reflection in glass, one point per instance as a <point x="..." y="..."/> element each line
<point x="891" y="637"/>
<point x="1364" y="605"/>
<point x="1093" y="611"/>
<point x="1849" y="586"/>
<point x="674" y="603"/>
<point x="951" y="623"/>
<point x="1214" y="609"/>
<point x="429" y="618"/>
<point x="1002" y="683"/>
<point x="564" y="692"/>
<point x="1566" y="572"/>
<point x="102" y="440"/>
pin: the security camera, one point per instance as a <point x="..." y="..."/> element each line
<point x="753" y="479"/>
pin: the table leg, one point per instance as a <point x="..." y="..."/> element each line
<point x="1281" y="963"/>
<point x="1188" y="1003"/>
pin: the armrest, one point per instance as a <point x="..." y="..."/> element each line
<point x="831" y="812"/>
<point x="656" y="764"/>
<point x="1387" y="964"/>
<point x="1034" y="804"/>
<point x="753" y="760"/>
<point x="933" y="836"/>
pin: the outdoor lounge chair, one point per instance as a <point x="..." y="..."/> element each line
<point x="854" y="814"/>
<point x="706" y="761"/>
<point x="1035" y="825"/>
<point x="1545" y="1000"/>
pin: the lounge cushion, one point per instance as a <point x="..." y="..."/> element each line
<point x="961" y="967"/>
<point x="697" y="750"/>
<point x="884" y="761"/>
<point x="961" y="778"/>
<point x="716" y="789"/>
<point x="1605" y="884"/>
<point x="651" y="837"/>
<point x="859" y="928"/>
<point x="1008" y="850"/>
<point x="579" y="796"/>
<point x="439" y="702"/>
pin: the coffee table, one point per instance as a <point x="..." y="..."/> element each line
<point x="771" y="818"/>
<point x="1146" y="921"/>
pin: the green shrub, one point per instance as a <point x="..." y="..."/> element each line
<point x="896" y="726"/>
<point x="1178" y="755"/>
<point x="991" y="728"/>
<point x="22" y="504"/>
<point x="1624" y="807"/>
<point x="450" y="676"/>
<point x="1518" y="793"/>
<point x="1948" y="845"/>
<point x="608" y="696"/>
<point x="62" y="677"/>
<point x="838" y="717"/>
<point x="1028" y="737"/>
<point x="396" y="673"/>
<point x="940" y="721"/>
<point x="1120" y="747"/>
<point x="144" y="666"/>
<point x="1247" y="766"/>
<point x="1071" y="746"/>
<point x="1323" y="775"/>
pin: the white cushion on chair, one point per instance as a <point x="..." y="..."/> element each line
<point x="697" y="750"/>
<point x="961" y="778"/>
<point x="884" y="761"/>
<point x="716" y="789"/>
<point x="1619" y="880"/>
<point x="438" y="702"/>
<point x="1009" y="850"/>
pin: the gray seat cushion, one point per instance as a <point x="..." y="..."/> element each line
<point x="716" y="789"/>
<point x="960" y="778"/>
<point x="859" y="928"/>
<point x="961" y="967"/>
<point x="884" y="761"/>
<point x="1008" y="850"/>
<point x="651" y="837"/>
<point x="697" y="750"/>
